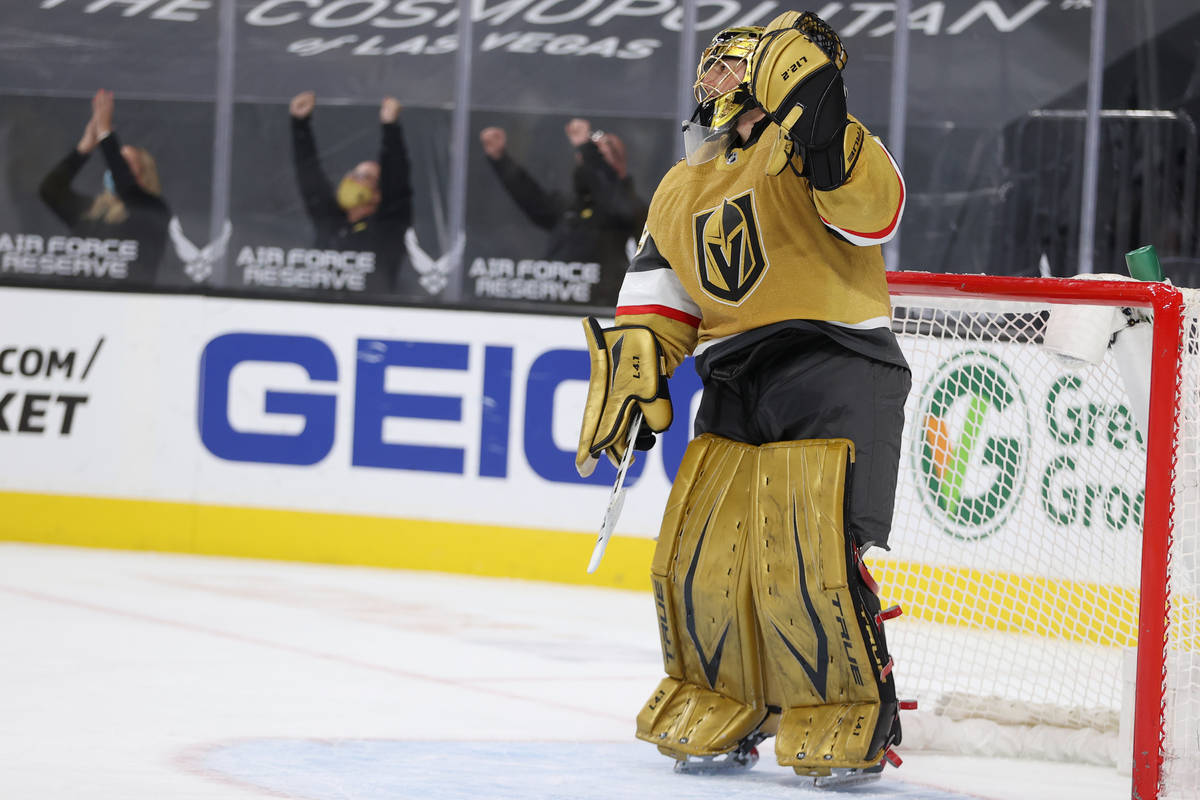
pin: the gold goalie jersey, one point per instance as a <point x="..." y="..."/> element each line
<point x="729" y="248"/>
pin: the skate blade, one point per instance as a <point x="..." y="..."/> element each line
<point x="716" y="765"/>
<point x="845" y="778"/>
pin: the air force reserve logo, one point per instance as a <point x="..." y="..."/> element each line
<point x="729" y="254"/>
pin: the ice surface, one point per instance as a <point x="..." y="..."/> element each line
<point x="139" y="675"/>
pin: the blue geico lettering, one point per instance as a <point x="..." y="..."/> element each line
<point x="373" y="405"/>
<point x="307" y="447"/>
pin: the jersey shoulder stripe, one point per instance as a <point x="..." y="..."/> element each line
<point x="657" y="291"/>
<point x="662" y="311"/>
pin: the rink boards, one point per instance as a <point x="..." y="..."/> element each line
<point x="390" y="436"/>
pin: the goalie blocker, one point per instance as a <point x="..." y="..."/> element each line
<point x="769" y="622"/>
<point x="628" y="372"/>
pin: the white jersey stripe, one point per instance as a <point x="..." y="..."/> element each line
<point x="656" y="287"/>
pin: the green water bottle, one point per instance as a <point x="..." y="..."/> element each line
<point x="1143" y="264"/>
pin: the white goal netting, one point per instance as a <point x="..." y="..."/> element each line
<point x="1018" y="532"/>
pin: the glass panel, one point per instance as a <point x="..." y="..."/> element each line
<point x="328" y="178"/>
<point x="291" y="233"/>
<point x="577" y="108"/>
<point x="976" y="73"/>
<point x="80" y="213"/>
<point x="995" y="144"/>
<point x="996" y="111"/>
<point x="1148" y="144"/>
<point x="552" y="224"/>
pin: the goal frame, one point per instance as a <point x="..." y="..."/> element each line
<point x="1167" y="305"/>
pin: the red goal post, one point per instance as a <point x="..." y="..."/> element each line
<point x="989" y="325"/>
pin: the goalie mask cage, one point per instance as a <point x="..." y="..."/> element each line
<point x="1045" y="536"/>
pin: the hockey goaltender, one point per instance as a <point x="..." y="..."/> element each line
<point x="761" y="257"/>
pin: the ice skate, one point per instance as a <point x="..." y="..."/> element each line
<point x="739" y="760"/>
<point x="846" y="777"/>
<point x="843" y="778"/>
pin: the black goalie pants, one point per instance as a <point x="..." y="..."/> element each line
<point x="810" y="387"/>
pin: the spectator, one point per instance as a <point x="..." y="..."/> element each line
<point x="371" y="207"/>
<point x="130" y="207"/>
<point x="596" y="221"/>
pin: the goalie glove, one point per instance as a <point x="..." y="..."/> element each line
<point x="796" y="77"/>
<point x="628" y="374"/>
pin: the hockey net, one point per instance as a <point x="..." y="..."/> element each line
<point x="1047" y="523"/>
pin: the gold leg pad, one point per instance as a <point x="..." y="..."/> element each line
<point x="701" y="575"/>
<point x="685" y="720"/>
<point x="811" y="739"/>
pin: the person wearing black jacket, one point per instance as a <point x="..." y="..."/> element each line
<point x="602" y="213"/>
<point x="371" y="207"/>
<point x="130" y="207"/>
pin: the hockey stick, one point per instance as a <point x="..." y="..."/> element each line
<point x="617" y="498"/>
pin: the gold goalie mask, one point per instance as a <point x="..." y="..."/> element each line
<point x="628" y="375"/>
<point x="722" y="93"/>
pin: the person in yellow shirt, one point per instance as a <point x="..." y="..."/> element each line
<point x="371" y="207"/>
<point x="761" y="257"/>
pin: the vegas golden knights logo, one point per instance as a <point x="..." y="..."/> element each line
<point x="729" y="252"/>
